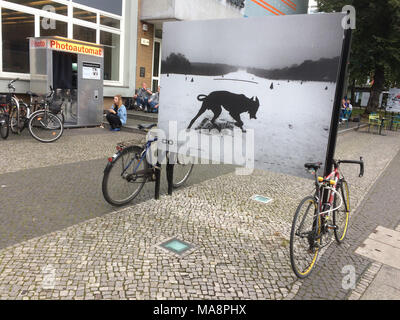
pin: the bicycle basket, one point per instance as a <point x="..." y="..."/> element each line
<point x="5" y="99"/>
<point x="55" y="107"/>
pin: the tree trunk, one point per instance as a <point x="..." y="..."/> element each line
<point x="353" y="92"/>
<point x="376" y="90"/>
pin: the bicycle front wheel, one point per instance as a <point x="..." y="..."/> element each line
<point x="182" y="173"/>
<point x="4" y="120"/>
<point x="341" y="216"/>
<point x="125" y="176"/>
<point x="305" y="238"/>
<point x="45" y="127"/>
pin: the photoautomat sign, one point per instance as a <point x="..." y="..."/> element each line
<point x="67" y="47"/>
<point x="76" y="48"/>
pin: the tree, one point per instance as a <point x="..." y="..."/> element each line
<point x="176" y="63"/>
<point x="375" y="50"/>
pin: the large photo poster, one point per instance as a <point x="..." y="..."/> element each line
<point x="393" y="103"/>
<point x="269" y="82"/>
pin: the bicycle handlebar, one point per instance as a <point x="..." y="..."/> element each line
<point x="361" y="163"/>
<point x="10" y="84"/>
<point x="51" y="93"/>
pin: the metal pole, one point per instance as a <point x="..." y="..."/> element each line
<point x="338" y="98"/>
<point x="158" y="181"/>
<point x="170" y="178"/>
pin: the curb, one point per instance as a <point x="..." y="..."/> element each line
<point x="365" y="281"/>
<point x="353" y="129"/>
<point x="127" y="129"/>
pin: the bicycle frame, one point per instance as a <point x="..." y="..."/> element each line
<point x="331" y="184"/>
<point x="143" y="156"/>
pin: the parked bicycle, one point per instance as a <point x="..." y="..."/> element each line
<point x="4" y="120"/>
<point x="44" y="119"/>
<point x="128" y="171"/>
<point x="320" y="216"/>
<point x="8" y="102"/>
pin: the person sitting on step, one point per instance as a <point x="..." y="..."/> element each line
<point x="117" y="115"/>
<point x="154" y="102"/>
<point x="142" y="97"/>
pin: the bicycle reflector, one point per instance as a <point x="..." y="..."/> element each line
<point x="110" y="159"/>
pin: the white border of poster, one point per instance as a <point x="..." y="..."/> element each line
<point x="233" y="94"/>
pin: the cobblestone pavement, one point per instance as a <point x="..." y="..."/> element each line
<point x="241" y="246"/>
<point x="37" y="199"/>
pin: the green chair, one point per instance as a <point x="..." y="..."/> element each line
<point x="396" y="123"/>
<point x="374" y="121"/>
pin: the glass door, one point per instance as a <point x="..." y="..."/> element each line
<point x="156" y="64"/>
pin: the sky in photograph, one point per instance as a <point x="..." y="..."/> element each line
<point x="266" y="42"/>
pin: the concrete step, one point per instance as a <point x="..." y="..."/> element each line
<point x="141" y="115"/>
<point x="132" y="125"/>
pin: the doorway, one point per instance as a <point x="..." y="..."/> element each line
<point x="65" y="84"/>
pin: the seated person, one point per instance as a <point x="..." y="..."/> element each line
<point x="142" y="97"/>
<point x="349" y="109"/>
<point x="154" y="102"/>
<point x="117" y="115"/>
<point x="343" y="109"/>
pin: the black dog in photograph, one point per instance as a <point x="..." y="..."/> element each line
<point x="235" y="104"/>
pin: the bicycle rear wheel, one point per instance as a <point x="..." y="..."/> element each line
<point x="17" y="123"/>
<point x="341" y="216"/>
<point x="45" y="127"/>
<point x="4" y="123"/>
<point x="125" y="176"/>
<point x="304" y="238"/>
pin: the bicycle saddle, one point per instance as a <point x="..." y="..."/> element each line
<point x="146" y="126"/>
<point x="30" y="93"/>
<point x="314" y="166"/>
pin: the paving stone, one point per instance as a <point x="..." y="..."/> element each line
<point x="239" y="243"/>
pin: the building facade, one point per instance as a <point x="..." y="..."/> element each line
<point x="110" y="23"/>
<point x="256" y="8"/>
<point x="152" y="15"/>
<point x="130" y="30"/>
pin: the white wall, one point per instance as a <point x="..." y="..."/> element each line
<point x="152" y="10"/>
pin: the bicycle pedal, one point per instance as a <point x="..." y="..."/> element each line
<point x="332" y="227"/>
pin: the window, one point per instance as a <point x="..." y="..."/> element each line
<point x="111" y="55"/>
<point x="52" y="6"/>
<point x="114" y="7"/>
<point x="85" y="15"/>
<point x="110" y="22"/>
<point x="156" y="66"/>
<point x="16" y="28"/>
<point x="100" y="22"/>
<point x="84" y="34"/>
<point x="53" y="28"/>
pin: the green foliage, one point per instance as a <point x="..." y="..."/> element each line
<point x="376" y="40"/>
